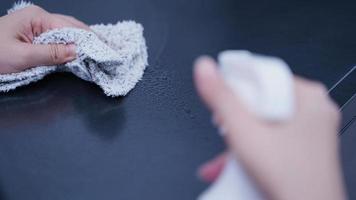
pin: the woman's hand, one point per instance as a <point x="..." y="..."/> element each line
<point x="18" y="30"/>
<point x="298" y="159"/>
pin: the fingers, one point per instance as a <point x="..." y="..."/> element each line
<point x="208" y="82"/>
<point x="211" y="170"/>
<point x="61" y="21"/>
<point x="40" y="55"/>
<point x="219" y="97"/>
<point x="48" y="22"/>
<point x="73" y="21"/>
<point x="312" y="95"/>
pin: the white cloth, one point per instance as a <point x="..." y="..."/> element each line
<point x="266" y="86"/>
<point x="114" y="56"/>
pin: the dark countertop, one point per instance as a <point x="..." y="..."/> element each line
<point x="62" y="138"/>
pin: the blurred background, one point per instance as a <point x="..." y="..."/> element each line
<point x="62" y="138"/>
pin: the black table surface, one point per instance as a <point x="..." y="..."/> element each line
<point x="62" y="138"/>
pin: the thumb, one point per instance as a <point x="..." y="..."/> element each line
<point x="219" y="97"/>
<point x="234" y="119"/>
<point x="51" y="54"/>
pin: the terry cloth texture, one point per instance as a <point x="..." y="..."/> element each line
<point x="114" y="56"/>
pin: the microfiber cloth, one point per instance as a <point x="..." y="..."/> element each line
<point x="266" y="87"/>
<point x="113" y="56"/>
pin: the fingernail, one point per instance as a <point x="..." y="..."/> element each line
<point x="72" y="51"/>
<point x="204" y="168"/>
<point x="203" y="173"/>
<point x="203" y="59"/>
<point x="205" y="65"/>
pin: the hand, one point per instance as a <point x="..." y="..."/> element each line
<point x="298" y="159"/>
<point x="18" y="30"/>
